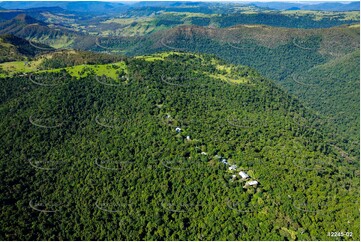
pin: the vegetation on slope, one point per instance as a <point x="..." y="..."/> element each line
<point x="13" y="48"/>
<point x="282" y="55"/>
<point x="100" y="159"/>
<point x="26" y="27"/>
<point x="67" y="59"/>
<point x="333" y="89"/>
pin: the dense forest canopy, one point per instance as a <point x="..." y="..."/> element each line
<point x="101" y="159"/>
<point x="179" y="121"/>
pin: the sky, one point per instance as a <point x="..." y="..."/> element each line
<point x="314" y="1"/>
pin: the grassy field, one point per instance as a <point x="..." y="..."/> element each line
<point x="226" y="75"/>
<point x="16" y="67"/>
<point x="190" y="14"/>
<point x="154" y="57"/>
<point x="319" y="15"/>
<point x="108" y="70"/>
<point x="225" y="70"/>
<point x="141" y="26"/>
<point x="19" y="67"/>
<point x="127" y="21"/>
<point x="229" y="79"/>
<point x="145" y="25"/>
<point x="3" y="44"/>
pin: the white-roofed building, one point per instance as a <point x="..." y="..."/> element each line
<point x="232" y="167"/>
<point x="251" y="183"/>
<point x="243" y="175"/>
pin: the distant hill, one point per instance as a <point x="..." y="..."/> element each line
<point x="81" y="6"/>
<point x="106" y="7"/>
<point x="331" y="6"/>
<point x="333" y="89"/>
<point x="29" y="28"/>
<point x="13" y="48"/>
<point x="19" y="22"/>
<point x="49" y="15"/>
<point x="26" y="19"/>
<point x="170" y="4"/>
<point x="323" y="6"/>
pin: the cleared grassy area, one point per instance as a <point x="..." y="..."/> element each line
<point x="190" y="14"/>
<point x="131" y="26"/>
<point x="134" y="26"/>
<point x="158" y="56"/>
<point x="3" y="44"/>
<point x="163" y="55"/>
<point x="108" y="70"/>
<point x="229" y="79"/>
<point x="319" y="15"/>
<point x="16" y="67"/>
<point x="226" y="74"/>
<point x="225" y="70"/>
<point x="127" y="21"/>
<point x="354" y="26"/>
<point x="352" y="15"/>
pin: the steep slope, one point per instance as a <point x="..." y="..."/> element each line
<point x="334" y="90"/>
<point x="102" y="159"/>
<point x="55" y="59"/>
<point x="29" y="28"/>
<point x="277" y="53"/>
<point x="260" y="46"/>
<point x="13" y="48"/>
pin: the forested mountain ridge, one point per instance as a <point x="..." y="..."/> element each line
<point x="333" y="90"/>
<point x="95" y="158"/>
<point x="13" y="48"/>
<point x="285" y="55"/>
<point x="21" y="56"/>
<point x="242" y="39"/>
<point x="26" y="27"/>
<point x="325" y="6"/>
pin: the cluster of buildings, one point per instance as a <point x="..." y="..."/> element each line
<point x="244" y="176"/>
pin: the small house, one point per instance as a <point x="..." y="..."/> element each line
<point x="204" y="153"/>
<point x="232" y="167"/>
<point x="188" y="138"/>
<point x="178" y="130"/>
<point x="243" y="175"/>
<point x="224" y="161"/>
<point x="252" y="183"/>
